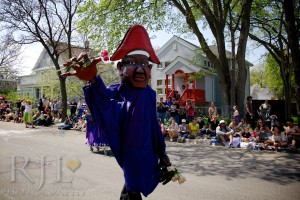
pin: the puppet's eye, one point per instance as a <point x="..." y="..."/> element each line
<point x="128" y="62"/>
<point x="134" y="63"/>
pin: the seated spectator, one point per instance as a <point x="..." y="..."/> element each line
<point x="173" y="130"/>
<point x="200" y="121"/>
<point x="262" y="131"/>
<point x="67" y="125"/>
<point x="3" y="107"/>
<point x="293" y="134"/>
<point x="242" y="125"/>
<point x="212" y="125"/>
<point x="279" y="124"/>
<point x="47" y="109"/>
<point x="10" y="116"/>
<point x="163" y="128"/>
<point x="48" y="118"/>
<point x="78" y="125"/>
<point x="40" y="120"/>
<point x="18" y="118"/>
<point x="224" y="133"/>
<point x="194" y="129"/>
<point x="183" y="131"/>
<point x="86" y="117"/>
<point x="3" y="114"/>
<point x="246" y="135"/>
<point x="233" y="125"/>
<point x="45" y="119"/>
<point x="169" y="121"/>
<point x="278" y="139"/>
<point x="36" y="116"/>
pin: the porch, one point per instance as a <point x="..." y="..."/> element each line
<point x="185" y="87"/>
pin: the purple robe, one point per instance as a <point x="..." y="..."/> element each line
<point x="94" y="134"/>
<point x="127" y="117"/>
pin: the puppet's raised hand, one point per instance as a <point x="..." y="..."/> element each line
<point x="85" y="67"/>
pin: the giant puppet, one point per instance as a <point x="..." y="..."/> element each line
<point x="126" y="113"/>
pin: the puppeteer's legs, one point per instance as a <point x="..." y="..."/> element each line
<point x="126" y="195"/>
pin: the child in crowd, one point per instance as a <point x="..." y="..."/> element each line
<point x="173" y="130"/>
<point x="194" y="129"/>
<point x="246" y="135"/>
<point x="262" y="131"/>
<point x="278" y="139"/>
<point x="183" y="131"/>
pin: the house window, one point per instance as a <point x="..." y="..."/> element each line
<point x="159" y="66"/>
<point x="159" y="82"/>
<point x="208" y="64"/>
<point x="159" y="91"/>
<point x="167" y="63"/>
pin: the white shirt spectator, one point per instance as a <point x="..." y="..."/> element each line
<point x="28" y="108"/>
<point x="223" y="131"/>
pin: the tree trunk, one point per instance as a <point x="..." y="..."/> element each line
<point x="63" y="90"/>
<point x="293" y="44"/>
<point x="241" y="69"/>
<point x="64" y="97"/>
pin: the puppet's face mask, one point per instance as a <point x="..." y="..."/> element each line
<point x="135" y="69"/>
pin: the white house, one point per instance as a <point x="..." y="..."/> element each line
<point x="30" y="85"/>
<point x="176" y="68"/>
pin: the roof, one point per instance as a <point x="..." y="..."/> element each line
<point x="188" y="67"/>
<point x="213" y="48"/>
<point x="62" y="49"/>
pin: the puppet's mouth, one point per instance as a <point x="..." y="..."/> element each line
<point x="139" y="77"/>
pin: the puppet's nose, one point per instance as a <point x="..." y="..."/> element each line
<point x="139" y="69"/>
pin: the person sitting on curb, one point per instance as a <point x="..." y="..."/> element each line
<point x="173" y="130"/>
<point x="246" y="135"/>
<point x="278" y="139"/>
<point x="262" y="131"/>
<point x="183" y="131"/>
<point x="212" y="126"/>
<point x="293" y="133"/>
<point x="224" y="133"/>
<point x="194" y="129"/>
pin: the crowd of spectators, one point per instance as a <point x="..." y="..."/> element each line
<point x="180" y="124"/>
<point x="46" y="112"/>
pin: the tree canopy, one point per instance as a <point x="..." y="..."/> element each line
<point x="106" y="21"/>
<point x="9" y="57"/>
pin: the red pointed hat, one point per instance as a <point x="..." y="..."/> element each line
<point x="136" y="41"/>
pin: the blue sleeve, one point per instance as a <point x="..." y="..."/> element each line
<point x="106" y="112"/>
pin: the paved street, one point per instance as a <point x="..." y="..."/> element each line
<point x="47" y="163"/>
